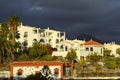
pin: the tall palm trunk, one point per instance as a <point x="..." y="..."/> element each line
<point x="1" y="56"/>
<point x="13" y="22"/>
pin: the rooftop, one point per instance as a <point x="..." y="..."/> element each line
<point x="91" y="42"/>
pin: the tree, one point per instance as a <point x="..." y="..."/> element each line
<point x="38" y="51"/>
<point x="49" y="48"/>
<point x="110" y="62"/>
<point x="81" y="65"/>
<point x="13" y="22"/>
<point x="118" y="51"/>
<point x="47" y="57"/>
<point x="106" y="53"/>
<point x="118" y="62"/>
<point x="71" y="55"/>
<point x="94" y="57"/>
<point x="23" y="57"/>
<point x="4" y="43"/>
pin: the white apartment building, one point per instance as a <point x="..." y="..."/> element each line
<point x="53" y="37"/>
<point x="89" y="47"/>
<point x="83" y="48"/>
<point x="75" y="44"/>
<point x="68" y="44"/>
<point x="57" y="39"/>
<point x="29" y="35"/>
<point x="113" y="47"/>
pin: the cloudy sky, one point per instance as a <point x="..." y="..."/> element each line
<point x="101" y="18"/>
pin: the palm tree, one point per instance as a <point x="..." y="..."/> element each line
<point x="3" y="41"/>
<point x="13" y="22"/>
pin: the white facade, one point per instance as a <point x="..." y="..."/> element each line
<point x="28" y="35"/>
<point x="83" y="48"/>
<point x="55" y="38"/>
<point x="113" y="47"/>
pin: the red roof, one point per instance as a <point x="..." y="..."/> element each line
<point x="34" y="63"/>
<point x="91" y="42"/>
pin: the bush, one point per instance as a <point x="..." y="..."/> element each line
<point x="23" y="57"/>
<point x="111" y="63"/>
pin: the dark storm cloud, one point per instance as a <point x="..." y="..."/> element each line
<point x="97" y="17"/>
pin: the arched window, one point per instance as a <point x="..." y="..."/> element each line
<point x="61" y="47"/>
<point x="57" y="41"/>
<point x="35" y="31"/>
<point x="42" y="41"/>
<point x="61" y="40"/>
<point x="20" y="71"/>
<point x="25" y="43"/>
<point x="34" y="40"/>
<point x="56" y="71"/>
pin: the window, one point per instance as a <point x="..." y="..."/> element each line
<point x="25" y="34"/>
<point x="56" y="71"/>
<point x="42" y="40"/>
<point x="91" y="49"/>
<point x="87" y="49"/>
<point x="57" y="41"/>
<point x="61" y="34"/>
<point x="57" y="34"/>
<point x="35" y="31"/>
<point x="61" y="40"/>
<point x="20" y="72"/>
<point x="61" y="47"/>
<point x="25" y="43"/>
<point x="34" y="40"/>
<point x="66" y="48"/>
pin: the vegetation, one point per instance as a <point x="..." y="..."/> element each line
<point x="106" y="53"/>
<point x="7" y="38"/>
<point x="39" y="51"/>
<point x="23" y="57"/>
<point x="110" y="62"/>
<point x="95" y="57"/>
<point x="71" y="55"/>
<point x="9" y="47"/>
<point x="118" y="51"/>
<point x="81" y="65"/>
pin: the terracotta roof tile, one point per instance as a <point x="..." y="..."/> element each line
<point x="91" y="42"/>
